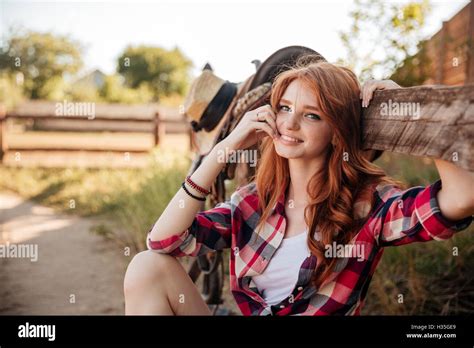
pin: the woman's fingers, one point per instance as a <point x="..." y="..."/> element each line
<point x="270" y="111"/>
<point x="363" y="90"/>
<point x="369" y="92"/>
<point x="263" y="126"/>
<point x="368" y="89"/>
<point x="266" y="117"/>
<point x="366" y="94"/>
<point x="265" y="109"/>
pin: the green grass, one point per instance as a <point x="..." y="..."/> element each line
<point x="136" y="211"/>
<point x="431" y="279"/>
<point x="411" y="170"/>
<point x="84" y="192"/>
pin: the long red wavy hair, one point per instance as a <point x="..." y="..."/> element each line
<point x="348" y="174"/>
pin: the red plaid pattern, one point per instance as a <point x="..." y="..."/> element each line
<point x="397" y="217"/>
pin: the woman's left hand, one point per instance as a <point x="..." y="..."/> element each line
<point x="368" y="88"/>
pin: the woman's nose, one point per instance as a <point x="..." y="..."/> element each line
<point x="292" y="122"/>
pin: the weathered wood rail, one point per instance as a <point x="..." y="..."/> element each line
<point x="432" y="121"/>
<point x="110" y="118"/>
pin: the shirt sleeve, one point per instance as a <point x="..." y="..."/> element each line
<point x="209" y="231"/>
<point x="413" y="215"/>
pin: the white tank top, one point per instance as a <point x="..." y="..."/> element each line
<point x="280" y="276"/>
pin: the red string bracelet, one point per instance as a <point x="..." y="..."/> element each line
<point x="196" y="186"/>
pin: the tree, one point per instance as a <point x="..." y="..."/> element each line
<point x="11" y="93"/>
<point x="382" y="35"/>
<point x="113" y="91"/>
<point x="43" y="59"/>
<point x="415" y="69"/>
<point x="164" y="72"/>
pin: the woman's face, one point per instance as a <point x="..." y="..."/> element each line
<point x="299" y="118"/>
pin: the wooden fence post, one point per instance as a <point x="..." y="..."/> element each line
<point x="442" y="54"/>
<point x="191" y="140"/>
<point x="470" y="46"/>
<point x="2" y="130"/>
<point x="158" y="128"/>
<point x="190" y="132"/>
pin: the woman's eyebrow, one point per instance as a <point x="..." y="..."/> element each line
<point x="307" y="107"/>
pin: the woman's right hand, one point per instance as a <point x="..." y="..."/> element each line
<point x="254" y="125"/>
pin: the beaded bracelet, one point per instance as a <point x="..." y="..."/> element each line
<point x="196" y="186"/>
<point x="190" y="194"/>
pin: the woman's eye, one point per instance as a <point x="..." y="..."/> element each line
<point x="313" y="116"/>
<point x="285" y="108"/>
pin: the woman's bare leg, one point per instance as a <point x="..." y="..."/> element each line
<point x="158" y="284"/>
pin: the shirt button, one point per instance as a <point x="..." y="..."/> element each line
<point x="300" y="288"/>
<point x="282" y="306"/>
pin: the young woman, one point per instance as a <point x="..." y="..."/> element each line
<point x="307" y="234"/>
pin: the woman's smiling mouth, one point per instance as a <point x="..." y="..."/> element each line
<point x="285" y="139"/>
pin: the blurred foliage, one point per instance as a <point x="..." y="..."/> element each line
<point x="415" y="69"/>
<point x="382" y="35"/>
<point x="433" y="278"/>
<point x="36" y="65"/>
<point x="163" y="72"/>
<point x="93" y="190"/>
<point x="114" y="91"/>
<point x="10" y="92"/>
<point x="82" y="92"/>
<point x="411" y="170"/>
<point x="43" y="59"/>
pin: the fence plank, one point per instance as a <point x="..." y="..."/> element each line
<point x="2" y="131"/>
<point x="432" y="121"/>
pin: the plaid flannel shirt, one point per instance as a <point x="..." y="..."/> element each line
<point x="397" y="217"/>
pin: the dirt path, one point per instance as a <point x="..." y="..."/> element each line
<point x="76" y="272"/>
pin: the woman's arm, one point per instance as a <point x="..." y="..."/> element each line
<point x="181" y="210"/>
<point x="412" y="215"/>
<point x="456" y="197"/>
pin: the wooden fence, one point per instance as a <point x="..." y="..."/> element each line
<point x="110" y="118"/>
<point x="436" y="121"/>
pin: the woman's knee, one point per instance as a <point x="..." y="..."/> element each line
<point x="147" y="268"/>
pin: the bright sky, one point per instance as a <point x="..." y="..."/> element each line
<point x="227" y="34"/>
